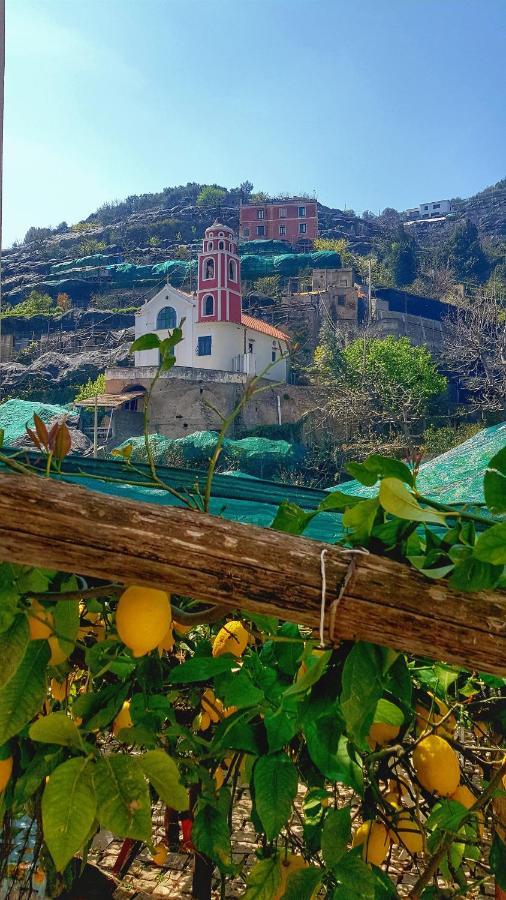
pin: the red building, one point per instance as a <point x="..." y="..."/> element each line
<point x="219" y="279"/>
<point x="294" y="221"/>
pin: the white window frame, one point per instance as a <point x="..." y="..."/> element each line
<point x="302" y="212"/>
<point x="206" y="315"/>
<point x="260" y="213"/>
<point x="302" y="228"/>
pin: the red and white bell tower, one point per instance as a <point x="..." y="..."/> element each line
<point x="219" y="277"/>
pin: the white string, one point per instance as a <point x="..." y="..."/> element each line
<point x="360" y="552"/>
<point x="324" y="595"/>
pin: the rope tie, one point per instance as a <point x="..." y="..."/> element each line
<point x="349" y="574"/>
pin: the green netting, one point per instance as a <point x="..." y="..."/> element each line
<point x="457" y="475"/>
<point x="15" y="415"/>
<point x="256" y="456"/>
<point x="95" y="259"/>
<point x="287" y="264"/>
<point x="261" y="247"/>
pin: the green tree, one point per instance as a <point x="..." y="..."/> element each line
<point x="90" y="246"/>
<point x="210" y="195"/>
<point x="464" y="253"/>
<point x="91" y="388"/>
<point x="35" y="304"/>
<point x="270" y="285"/>
<point x="401" y="261"/>
<point x="36" y="234"/>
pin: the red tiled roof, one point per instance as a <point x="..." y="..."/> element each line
<point x="258" y="325"/>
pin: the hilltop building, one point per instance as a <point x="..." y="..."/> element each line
<point x="436" y="209"/>
<point x="294" y="221"/>
<point x="216" y="333"/>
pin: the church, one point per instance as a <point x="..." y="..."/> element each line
<point x="216" y="333"/>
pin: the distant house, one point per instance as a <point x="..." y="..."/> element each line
<point x="433" y="210"/>
<point x="217" y="335"/>
<point x="294" y="221"/>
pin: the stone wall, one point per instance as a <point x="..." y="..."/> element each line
<point x="182" y="400"/>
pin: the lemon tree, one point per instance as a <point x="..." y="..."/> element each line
<point x="114" y="699"/>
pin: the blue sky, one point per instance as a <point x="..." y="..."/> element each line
<point x="370" y="103"/>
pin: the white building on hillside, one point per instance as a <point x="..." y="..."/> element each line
<point x="216" y="333"/>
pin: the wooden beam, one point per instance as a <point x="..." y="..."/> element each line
<point x="65" y="527"/>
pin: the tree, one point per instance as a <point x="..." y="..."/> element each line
<point x="402" y="261"/>
<point x="464" y="252"/>
<point x="246" y="188"/>
<point x="63" y="301"/>
<point x="35" y="304"/>
<point x="211" y="195"/>
<point x="36" y="234"/>
<point x="374" y="390"/>
<point x="474" y="350"/>
<point x="91" y="246"/>
<point x="91" y="389"/>
<point x="270" y="285"/>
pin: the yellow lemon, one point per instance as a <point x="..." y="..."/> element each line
<point x="212" y="706"/>
<point x="58" y="656"/>
<point x="232" y="638"/>
<point x="374" y="839"/>
<point x="204" y="721"/>
<point x="40" y="630"/>
<point x="5" y="772"/>
<point x="167" y="642"/>
<point x="292" y="863"/>
<point x="437" y="766"/>
<point x="59" y="690"/>
<point x="426" y="717"/>
<point x="143" y="617"/>
<point x="380" y="734"/>
<point x="407" y="831"/>
<point x="123" y="719"/>
<point x="182" y="629"/>
<point x="159" y="857"/>
<point x="464" y="796"/>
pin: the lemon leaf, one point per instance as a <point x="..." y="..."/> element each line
<point x="162" y="772"/>
<point x="395" y="498"/>
<point x="68" y="809"/>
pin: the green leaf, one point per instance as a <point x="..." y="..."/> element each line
<point x="275" y="782"/>
<point x="316" y="666"/>
<point x="145" y="342"/>
<point x="360" y="519"/>
<point x="291" y="518"/>
<point x="302" y="884"/>
<point x="494" y="483"/>
<point x="237" y="689"/>
<point x="491" y="545"/>
<point x="123" y="804"/>
<point x="388" y="713"/>
<point x="362" y="687"/>
<point x="66" y="624"/>
<point x="210" y="831"/>
<point x="68" y="809"/>
<point x="13" y="644"/>
<point x="282" y="725"/>
<point x="24" y="693"/>
<point x="162" y="772"/>
<point x="380" y="467"/>
<point x="473" y="575"/>
<point x="201" y="668"/>
<point x="355" y="876"/>
<point x="497" y="860"/>
<point x="338" y="500"/>
<point x="395" y="498"/>
<point x="40" y="766"/>
<point x="235" y="733"/>
<point x="288" y="653"/>
<point x="322" y="737"/>
<point x="56" y="728"/>
<point x="336" y="835"/>
<point x="263" y="880"/>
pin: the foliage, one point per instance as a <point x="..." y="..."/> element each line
<point x="91" y="388"/>
<point x="91" y="246"/>
<point x="402" y="259"/>
<point x="464" y="253"/>
<point x="336" y="245"/>
<point x="154" y="241"/>
<point x="437" y="440"/>
<point x="36" y="234"/>
<point x="63" y="301"/>
<point x="211" y="195"/>
<point x="344" y="723"/>
<point x="35" y="304"/>
<point x="83" y="227"/>
<point x="270" y="285"/>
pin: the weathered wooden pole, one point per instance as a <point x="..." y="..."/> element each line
<point x="62" y="526"/>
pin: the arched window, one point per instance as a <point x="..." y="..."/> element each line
<point x="221" y="245"/>
<point x="208" y="269"/>
<point x="208" y="305"/>
<point x="232" y="269"/>
<point x="166" y="318"/>
<point x="209" y="245"/>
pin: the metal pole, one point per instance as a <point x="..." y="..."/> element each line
<point x="95" y="428"/>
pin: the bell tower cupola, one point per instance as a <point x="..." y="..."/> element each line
<point x="219" y="277"/>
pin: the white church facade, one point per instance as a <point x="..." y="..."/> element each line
<point x="216" y="333"/>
